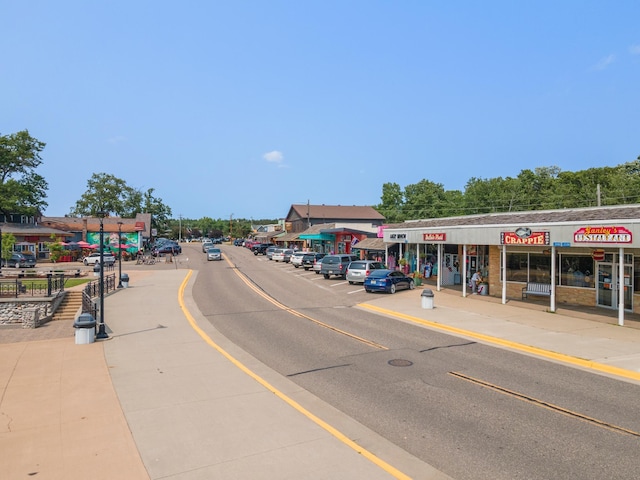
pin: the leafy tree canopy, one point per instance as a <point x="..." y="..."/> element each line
<point x="22" y="190"/>
<point x="106" y="194"/>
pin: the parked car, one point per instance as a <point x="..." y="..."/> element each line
<point x="238" y="242"/>
<point x="336" y="264"/>
<point x="269" y="251"/>
<point x="282" y="255"/>
<point x="389" y="281"/>
<point x="94" y="258"/>
<point x="359" y="270"/>
<point x="296" y="258"/>
<point x="167" y="247"/>
<point x="260" y="248"/>
<point x="20" y="260"/>
<point x="309" y="259"/>
<point x="317" y="265"/>
<point x="214" y="253"/>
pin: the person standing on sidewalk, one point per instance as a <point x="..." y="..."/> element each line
<point x="475" y="278"/>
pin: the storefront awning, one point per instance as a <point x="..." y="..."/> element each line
<point x="370" y="244"/>
<point x="317" y="236"/>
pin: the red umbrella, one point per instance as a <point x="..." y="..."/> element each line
<point x="83" y="244"/>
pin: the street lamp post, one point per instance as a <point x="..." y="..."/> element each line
<point x="101" y="329"/>
<point x="119" y="254"/>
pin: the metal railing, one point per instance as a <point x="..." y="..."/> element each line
<point x="26" y="287"/>
<point x="92" y="290"/>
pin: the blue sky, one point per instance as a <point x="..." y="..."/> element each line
<point x="243" y="108"/>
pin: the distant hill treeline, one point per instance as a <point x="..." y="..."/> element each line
<point x="545" y="188"/>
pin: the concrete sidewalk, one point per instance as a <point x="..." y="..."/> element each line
<point x="166" y="396"/>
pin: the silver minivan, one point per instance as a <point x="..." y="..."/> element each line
<point x="359" y="270"/>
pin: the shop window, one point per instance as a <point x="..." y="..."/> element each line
<point x="517" y="267"/>
<point x="576" y="271"/>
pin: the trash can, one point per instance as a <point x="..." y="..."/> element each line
<point x="85" y="326"/>
<point x="427" y="298"/>
<point x="124" y="279"/>
<point x="96" y="270"/>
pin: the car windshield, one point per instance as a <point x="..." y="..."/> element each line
<point x="357" y="265"/>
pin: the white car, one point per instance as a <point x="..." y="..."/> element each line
<point x="94" y="258"/>
<point x="296" y="258"/>
<point x="282" y="255"/>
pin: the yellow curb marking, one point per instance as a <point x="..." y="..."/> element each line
<point x="600" y="367"/>
<point x="333" y="431"/>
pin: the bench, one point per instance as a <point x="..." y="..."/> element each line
<point x="542" y="289"/>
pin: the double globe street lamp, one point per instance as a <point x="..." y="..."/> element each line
<point x="102" y="334"/>
<point x="120" y="255"/>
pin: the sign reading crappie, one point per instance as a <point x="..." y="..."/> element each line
<point x="602" y="235"/>
<point x="528" y="238"/>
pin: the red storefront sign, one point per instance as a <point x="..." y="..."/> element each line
<point x="533" y="238"/>
<point x="598" y="255"/>
<point x="602" y="235"/>
<point x="434" y="237"/>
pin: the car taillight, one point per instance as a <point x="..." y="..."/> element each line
<point x="366" y="273"/>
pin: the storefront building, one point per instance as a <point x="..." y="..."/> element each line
<point x="587" y="256"/>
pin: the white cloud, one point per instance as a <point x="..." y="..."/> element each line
<point x="605" y="62"/>
<point x="634" y="49"/>
<point x="274" y="157"/>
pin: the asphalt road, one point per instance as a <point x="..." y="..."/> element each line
<point x="472" y="411"/>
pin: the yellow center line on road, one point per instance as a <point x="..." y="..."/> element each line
<point x="281" y="306"/>
<point x="540" y="352"/>
<point x="394" y="472"/>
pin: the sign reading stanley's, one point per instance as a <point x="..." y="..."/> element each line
<point x="602" y="235"/>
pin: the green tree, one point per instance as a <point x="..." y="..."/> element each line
<point x="22" y="190"/>
<point x="112" y="196"/>
<point x="424" y="199"/>
<point x="6" y="249"/>
<point x="392" y="203"/>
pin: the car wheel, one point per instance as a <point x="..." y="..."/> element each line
<point x="412" y="285"/>
<point x="350" y="282"/>
<point x="367" y="290"/>
<point x="326" y="275"/>
<point x="393" y="288"/>
<point x="317" y="273"/>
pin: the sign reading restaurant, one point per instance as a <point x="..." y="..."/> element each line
<point x="434" y="237"/>
<point x="602" y="235"/>
<point x="530" y="238"/>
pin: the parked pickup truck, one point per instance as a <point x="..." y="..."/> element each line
<point x="260" y="248"/>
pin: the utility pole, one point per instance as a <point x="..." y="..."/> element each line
<point x="179" y="227"/>
<point x="230" y="226"/>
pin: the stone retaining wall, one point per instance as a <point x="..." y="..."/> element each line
<point x="32" y="312"/>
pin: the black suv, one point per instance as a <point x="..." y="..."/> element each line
<point x="308" y="259"/>
<point x="260" y="248"/>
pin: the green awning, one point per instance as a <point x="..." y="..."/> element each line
<point x="316" y="236"/>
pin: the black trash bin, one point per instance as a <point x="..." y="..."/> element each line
<point x="124" y="279"/>
<point x="427" y="298"/>
<point x="85" y="326"/>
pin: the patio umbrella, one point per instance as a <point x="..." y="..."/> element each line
<point x="82" y="244"/>
<point x="94" y="245"/>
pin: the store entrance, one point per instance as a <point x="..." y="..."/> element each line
<point x="608" y="287"/>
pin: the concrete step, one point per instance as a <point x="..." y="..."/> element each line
<point x="69" y="307"/>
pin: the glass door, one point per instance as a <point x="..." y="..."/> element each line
<point x="605" y="294"/>
<point x="609" y="285"/>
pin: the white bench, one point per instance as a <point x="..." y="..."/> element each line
<point x="542" y="289"/>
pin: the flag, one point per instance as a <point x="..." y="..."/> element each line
<point x="354" y="241"/>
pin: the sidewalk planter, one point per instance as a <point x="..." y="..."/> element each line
<point x="85" y="326"/>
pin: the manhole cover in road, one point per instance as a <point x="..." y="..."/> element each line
<point x="398" y="362"/>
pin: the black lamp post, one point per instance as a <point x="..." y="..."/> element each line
<point x="101" y="329"/>
<point x="119" y="255"/>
